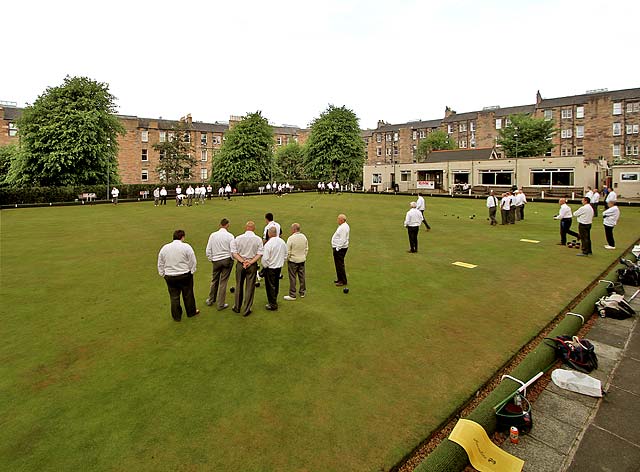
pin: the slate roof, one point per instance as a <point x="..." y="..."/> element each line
<point x="472" y="115"/>
<point x="527" y="109"/>
<point x="476" y="154"/>
<point x="12" y="113"/>
<point x="627" y="94"/>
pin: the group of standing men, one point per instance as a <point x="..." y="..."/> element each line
<point x="511" y="207"/>
<point x="177" y="264"/>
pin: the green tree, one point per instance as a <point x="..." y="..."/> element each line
<point x="69" y="136"/>
<point x="246" y="154"/>
<point x="176" y="160"/>
<point x="290" y="162"/>
<point x="335" y="150"/>
<point x="8" y="153"/>
<point x="436" y="141"/>
<point x="526" y="136"/>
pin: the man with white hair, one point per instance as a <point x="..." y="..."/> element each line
<point x="492" y="205"/>
<point x="412" y="222"/>
<point x="273" y="256"/>
<point x="340" y="246"/>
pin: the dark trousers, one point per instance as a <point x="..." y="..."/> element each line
<point x="585" y="238"/>
<point x="413" y="237"/>
<point x="163" y="200"/>
<point x="338" y="260"/>
<point x="595" y="208"/>
<point x="492" y="215"/>
<point x="181" y="284"/>
<point x="296" y="269"/>
<point x="245" y="282"/>
<point x="512" y="215"/>
<point x="219" y="278"/>
<point x="517" y="212"/>
<point x="424" y="220"/>
<point x="504" y="214"/>
<point x="522" y="211"/>
<point x="565" y="228"/>
<point x="608" y="232"/>
<point x="272" y="285"/>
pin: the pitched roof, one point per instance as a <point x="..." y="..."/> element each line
<point x="472" y="115"/>
<point x="528" y="109"/>
<point x="475" y="154"/>
<point x="627" y="94"/>
<point x="12" y="113"/>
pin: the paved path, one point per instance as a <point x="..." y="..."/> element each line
<point x="577" y="433"/>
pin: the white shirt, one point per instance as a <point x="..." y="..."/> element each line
<point x="520" y="199"/>
<point x="584" y="214"/>
<point x="247" y="245"/>
<point x="269" y="225"/>
<point x="492" y="201"/>
<point x="115" y="192"/>
<point x="178" y="190"/>
<point x="219" y="245"/>
<point x="297" y="248"/>
<point x="340" y="238"/>
<point x="163" y="192"/>
<point x="176" y="258"/>
<point x="505" y="203"/>
<point x="413" y="217"/>
<point x="227" y="188"/>
<point x="565" y="212"/>
<point x="190" y="191"/>
<point x="589" y="195"/>
<point x="595" y="198"/>
<point x="610" y="216"/>
<point x="156" y="193"/>
<point x="611" y="197"/>
<point x="420" y="203"/>
<point x="274" y="253"/>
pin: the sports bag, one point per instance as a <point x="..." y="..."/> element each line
<point x="629" y="276"/>
<point x="614" y="306"/>
<point x="577" y="353"/>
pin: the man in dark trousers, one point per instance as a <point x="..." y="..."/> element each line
<point x="492" y="205"/>
<point x="246" y="250"/>
<point x="340" y="245"/>
<point x="412" y="221"/>
<point x="584" y="215"/>
<point x="420" y="206"/>
<point x="565" y="217"/>
<point x="219" y="253"/>
<point x="177" y="263"/>
<point x="273" y="257"/>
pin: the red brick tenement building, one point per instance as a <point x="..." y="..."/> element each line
<point x="598" y="125"/>
<point x="137" y="158"/>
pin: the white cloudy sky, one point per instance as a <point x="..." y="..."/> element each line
<point x="396" y="60"/>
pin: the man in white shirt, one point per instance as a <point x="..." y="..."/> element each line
<point x="221" y="192"/>
<point x="589" y="193"/>
<point x="273" y="257"/>
<point x="595" y="199"/>
<point x="512" y="208"/>
<point x="227" y="191"/>
<point x="209" y="191"/>
<point x="178" y="197"/>
<point x="505" y="208"/>
<point x="163" y="196"/>
<point x="521" y="201"/>
<point x="611" y="196"/>
<point x="268" y="218"/>
<point x="610" y="219"/>
<point x="565" y="217"/>
<point x="246" y="250"/>
<point x="190" y="193"/>
<point x="492" y="205"/>
<point x="340" y="245"/>
<point x="177" y="263"/>
<point x="420" y="206"/>
<point x="297" y="250"/>
<point x="114" y="195"/>
<point x="156" y="196"/>
<point x="219" y="253"/>
<point x="412" y="221"/>
<point x="584" y="215"/>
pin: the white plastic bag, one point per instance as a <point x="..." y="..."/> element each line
<point x="577" y="382"/>
<point x="636" y="251"/>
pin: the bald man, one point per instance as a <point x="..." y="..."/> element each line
<point x="565" y="216"/>
<point x="340" y="245"/>
<point x="247" y="250"/>
<point x="412" y="221"/>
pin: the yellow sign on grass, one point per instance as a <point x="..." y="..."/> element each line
<point x="465" y="265"/>
<point x="483" y="454"/>
<point x="530" y="241"/>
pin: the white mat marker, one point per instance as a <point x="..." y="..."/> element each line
<point x="465" y="265"/>
<point x="530" y="241"/>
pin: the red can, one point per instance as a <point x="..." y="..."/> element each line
<point x="513" y="435"/>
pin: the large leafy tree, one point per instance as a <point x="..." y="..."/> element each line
<point x="335" y="149"/>
<point x="290" y="161"/>
<point x="526" y="136"/>
<point x="8" y="153"/>
<point x="436" y="141"/>
<point x="69" y="136"/>
<point x="247" y="152"/>
<point x="176" y="159"/>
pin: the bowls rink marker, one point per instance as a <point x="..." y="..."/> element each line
<point x="466" y="265"/>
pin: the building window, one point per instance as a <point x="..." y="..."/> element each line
<point x="617" y="129"/>
<point x="496" y="177"/>
<point x="203" y="139"/>
<point x="566" y="133"/>
<point x="472" y="142"/>
<point x="449" y="129"/>
<point x="566" y="113"/>
<point x="580" y="112"/>
<point x="579" y="131"/>
<point x="388" y="151"/>
<point x="145" y="155"/>
<point x="13" y="129"/>
<point x="279" y="141"/>
<point x="388" y="137"/>
<point x="472" y="126"/>
<point x="414" y="135"/>
<point x="551" y="177"/>
<point x="507" y="122"/>
<point x="632" y="129"/>
<point x="144" y="176"/>
<point x="163" y="137"/>
<point x="405" y="175"/>
<point x="630" y="176"/>
<point x="376" y="179"/>
<point x="414" y="148"/>
<point x="378" y="138"/>
<point x="462" y="127"/>
<point x="203" y="174"/>
<point x="378" y="151"/>
<point x="163" y="154"/>
<point x="423" y="134"/>
<point x="579" y="151"/>
<point x="216" y="140"/>
<point x="187" y="137"/>
<point x="186" y="173"/>
<point x="631" y="150"/>
<point x="144" y="136"/>
<point x="203" y="155"/>
<point x="617" y="108"/>
<point x="172" y="136"/>
<point x="615" y="152"/>
<point x="395" y="136"/>
<point x="498" y="123"/>
<point x="565" y="151"/>
<point x="395" y="150"/>
<point x="548" y="115"/>
<point x="633" y="107"/>
<point x="462" y="144"/>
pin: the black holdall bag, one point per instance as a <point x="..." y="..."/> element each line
<point x="614" y="306"/>
<point x="629" y="276"/>
<point x="577" y="353"/>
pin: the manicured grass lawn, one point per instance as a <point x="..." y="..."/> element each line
<point x="94" y="374"/>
